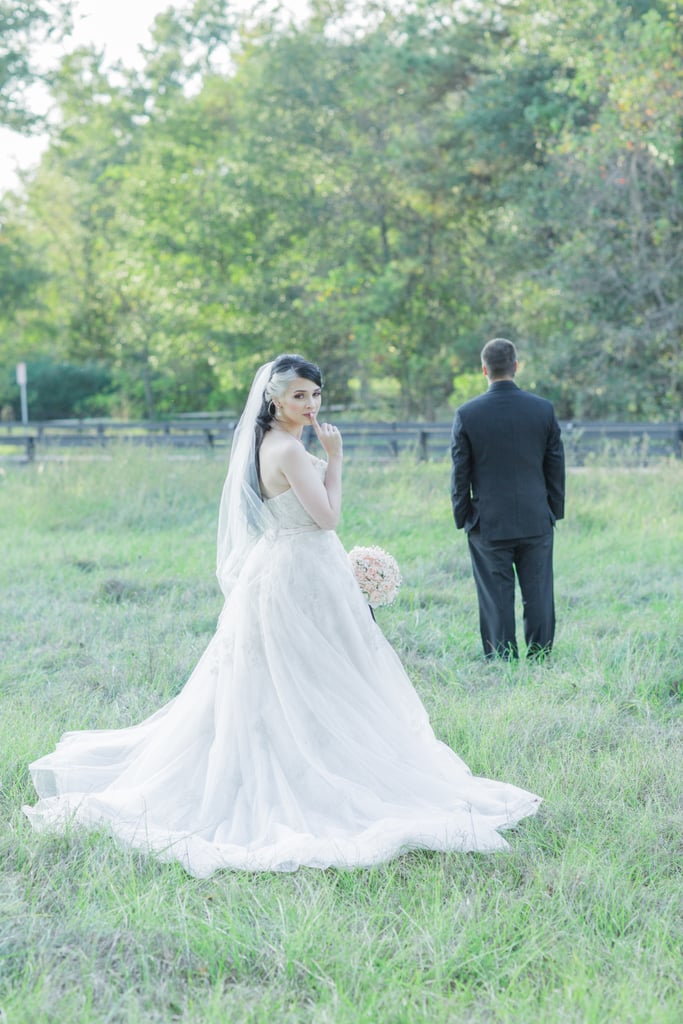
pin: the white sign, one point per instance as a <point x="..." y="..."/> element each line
<point x="21" y="381"/>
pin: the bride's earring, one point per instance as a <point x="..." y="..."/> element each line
<point x="272" y="409"/>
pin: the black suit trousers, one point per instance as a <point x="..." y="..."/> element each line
<point x="494" y="564"/>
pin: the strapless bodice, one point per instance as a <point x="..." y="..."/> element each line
<point x="287" y="510"/>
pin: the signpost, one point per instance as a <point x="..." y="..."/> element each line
<point x="21" y="381"/>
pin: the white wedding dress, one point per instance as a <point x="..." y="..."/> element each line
<point x="298" y="739"/>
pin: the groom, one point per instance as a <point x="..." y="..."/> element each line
<point x="507" y="490"/>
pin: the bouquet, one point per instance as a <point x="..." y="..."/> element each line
<point x="377" y="574"/>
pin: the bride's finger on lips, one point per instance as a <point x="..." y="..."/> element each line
<point x="322" y="428"/>
<point x="325" y="431"/>
<point x="314" y="423"/>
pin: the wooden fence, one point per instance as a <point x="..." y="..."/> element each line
<point x="633" y="442"/>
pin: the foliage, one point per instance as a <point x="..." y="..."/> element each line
<point x="59" y="390"/>
<point x="382" y="188"/>
<point x="24" y="24"/>
<point x="612" y="191"/>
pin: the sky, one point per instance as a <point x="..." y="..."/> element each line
<point x="119" y="27"/>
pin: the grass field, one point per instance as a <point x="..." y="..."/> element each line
<point x="108" y="597"/>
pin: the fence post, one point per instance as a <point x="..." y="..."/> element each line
<point x="393" y="443"/>
<point x="423" y="446"/>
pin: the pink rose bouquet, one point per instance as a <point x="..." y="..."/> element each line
<point x="377" y="574"/>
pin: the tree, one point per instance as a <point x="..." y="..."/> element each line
<point x="383" y="194"/>
<point x="608" y="295"/>
<point x="24" y="24"/>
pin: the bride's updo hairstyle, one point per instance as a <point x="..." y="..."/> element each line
<point x="285" y="369"/>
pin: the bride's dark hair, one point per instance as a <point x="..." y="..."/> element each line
<point x="284" y="369"/>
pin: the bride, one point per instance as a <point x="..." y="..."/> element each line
<point x="298" y="739"/>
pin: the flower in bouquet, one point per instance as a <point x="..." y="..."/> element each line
<point x="377" y="574"/>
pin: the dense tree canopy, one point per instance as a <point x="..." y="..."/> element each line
<point x="382" y="188"/>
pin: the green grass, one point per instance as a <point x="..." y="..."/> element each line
<point x="109" y="597"/>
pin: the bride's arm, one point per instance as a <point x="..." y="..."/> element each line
<point x="321" y="500"/>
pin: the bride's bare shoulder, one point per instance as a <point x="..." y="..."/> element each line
<point x="281" y="460"/>
<point x="277" y="445"/>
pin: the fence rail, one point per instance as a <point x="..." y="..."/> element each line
<point x="639" y="442"/>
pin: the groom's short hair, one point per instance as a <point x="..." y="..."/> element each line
<point x="499" y="357"/>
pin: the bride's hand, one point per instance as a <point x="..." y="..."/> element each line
<point x="329" y="437"/>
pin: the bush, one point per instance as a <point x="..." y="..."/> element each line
<point x="57" y="390"/>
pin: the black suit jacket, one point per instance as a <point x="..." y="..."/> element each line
<point x="508" y="464"/>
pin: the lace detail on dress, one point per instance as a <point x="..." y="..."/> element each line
<point x="287" y="510"/>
